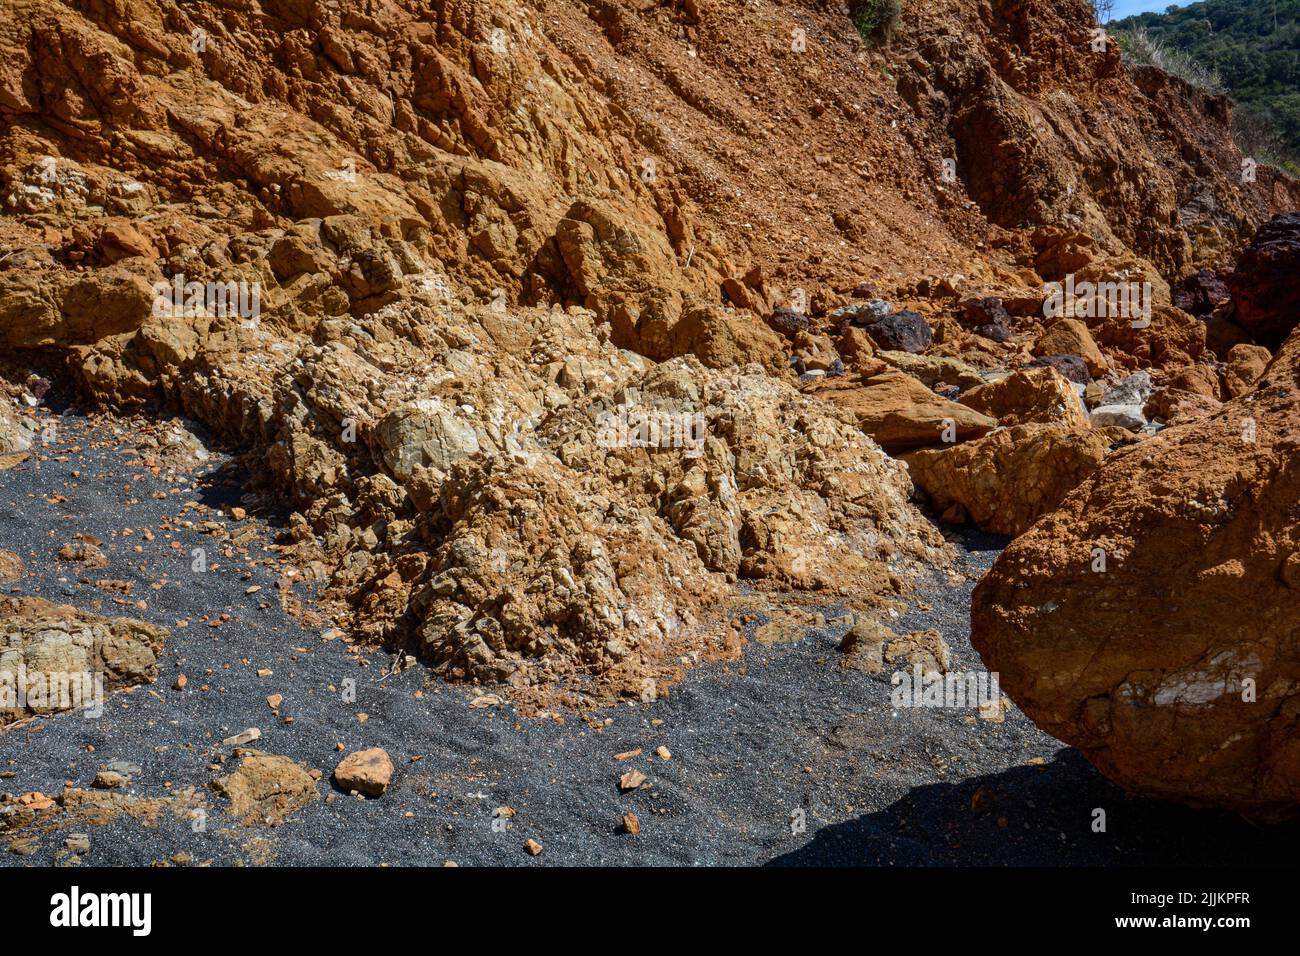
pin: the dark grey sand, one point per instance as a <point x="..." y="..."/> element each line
<point x="786" y="729"/>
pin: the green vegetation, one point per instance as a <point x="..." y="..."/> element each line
<point x="1251" y="48"/>
<point x="876" y="19"/>
<point x="1145" y="50"/>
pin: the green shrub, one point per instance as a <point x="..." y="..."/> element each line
<point x="1141" y="49"/>
<point x="876" y="20"/>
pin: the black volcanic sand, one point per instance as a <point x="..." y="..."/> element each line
<point x="786" y="729"/>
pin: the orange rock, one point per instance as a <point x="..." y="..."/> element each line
<point x="1071" y="337"/>
<point x="1149" y="620"/>
<point x="899" y="412"/>
<point x="1006" y="480"/>
<point x="1245" y="364"/>
<point x="365" y="771"/>
<point x="1030" y="396"/>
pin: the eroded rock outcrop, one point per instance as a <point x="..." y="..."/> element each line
<point x="521" y="356"/>
<point x="55" y="658"/>
<point x="264" y="789"/>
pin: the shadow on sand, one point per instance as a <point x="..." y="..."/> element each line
<point x="1043" y="816"/>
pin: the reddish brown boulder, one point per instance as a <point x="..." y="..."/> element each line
<point x="1264" y="287"/>
<point x="1246" y="363"/>
<point x="1151" y="620"/>
<point x="1175" y="405"/>
<point x="366" y="771"/>
<point x="1006" y="480"/>
<point x="1031" y="395"/>
<point x="1199" y="292"/>
<point x="899" y="412"/>
<point x="1199" y="379"/>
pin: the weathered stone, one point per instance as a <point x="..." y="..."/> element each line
<point x="11" y="567"/>
<point x="264" y="789"/>
<point x="1245" y="364"/>
<point x="1036" y="395"/>
<point x="1133" y="390"/>
<point x="426" y="433"/>
<point x="1175" y="406"/>
<point x="1009" y="478"/>
<point x="1121" y="416"/>
<point x="68" y="659"/>
<point x="930" y="370"/>
<point x="1171" y="669"/>
<point x="365" y="771"/>
<point x="900" y="413"/>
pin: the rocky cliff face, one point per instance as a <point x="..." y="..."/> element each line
<point x="493" y="292"/>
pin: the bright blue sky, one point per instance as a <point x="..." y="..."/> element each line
<point x="1125" y="8"/>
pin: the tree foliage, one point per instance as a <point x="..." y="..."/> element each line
<point x="1254" y="46"/>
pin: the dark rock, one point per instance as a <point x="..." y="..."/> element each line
<point x="987" y="317"/>
<point x="986" y="311"/>
<point x="789" y="322"/>
<point x="1199" y="292"/>
<point x="1264" y="287"/>
<point x="995" y="333"/>
<point x="1070" y="366"/>
<point x="904" y="331"/>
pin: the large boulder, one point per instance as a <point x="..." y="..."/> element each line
<point x="1039" y="395"/>
<point x="1071" y="337"/>
<point x="1151" y="620"/>
<point x="899" y="412"/>
<point x="902" y="331"/>
<point x="1264" y="287"/>
<point x="1007" y="479"/>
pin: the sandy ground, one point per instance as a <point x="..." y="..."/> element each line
<point x="784" y="735"/>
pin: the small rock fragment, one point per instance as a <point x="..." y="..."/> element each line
<point x="365" y="771"/>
